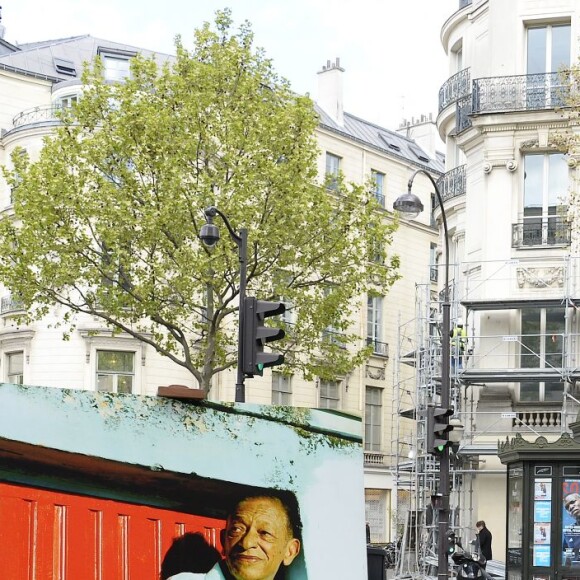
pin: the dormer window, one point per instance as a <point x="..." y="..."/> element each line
<point x="116" y="64"/>
<point x="64" y="67"/>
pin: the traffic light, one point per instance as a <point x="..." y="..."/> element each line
<point x="438" y="428"/>
<point x="451" y="543"/>
<point x="255" y="335"/>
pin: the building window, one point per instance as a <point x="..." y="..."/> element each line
<point x="375" y="324"/>
<point x="115" y="371"/>
<point x="433" y="263"/>
<point x="379" y="186"/>
<point x="545" y="200"/>
<point x="281" y="389"/>
<point x="377" y="513"/>
<point x="329" y="394"/>
<point x="373" y="418"/>
<point x="15" y="366"/>
<point x="332" y="170"/>
<point x="116" y="67"/>
<point x="548" y="48"/>
<point x="67" y="101"/>
<point x="548" y="52"/>
<point x="542" y="347"/>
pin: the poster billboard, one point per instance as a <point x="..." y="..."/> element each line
<point x="228" y="462"/>
<point x="571" y="522"/>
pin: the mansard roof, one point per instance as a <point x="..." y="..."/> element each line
<point x="64" y="58"/>
<point x="384" y="140"/>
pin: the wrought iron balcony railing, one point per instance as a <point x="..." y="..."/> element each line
<point x="454" y="88"/>
<point x="380" y="348"/>
<point x="380" y="197"/>
<point x="533" y="92"/>
<point x="550" y="231"/>
<point x="463" y="109"/>
<point x="452" y="184"/>
<point x="37" y="115"/>
<point x="10" y="304"/>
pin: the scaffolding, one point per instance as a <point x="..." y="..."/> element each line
<point x="505" y="355"/>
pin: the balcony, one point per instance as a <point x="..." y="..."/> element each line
<point x="379" y="348"/>
<point x="452" y="184"/>
<point x="10" y="304"/>
<point x="462" y="114"/>
<point x="37" y="115"/>
<point x="375" y="458"/>
<point x="454" y="88"/>
<point x="538" y="232"/>
<point x="535" y="92"/>
<point x="380" y="197"/>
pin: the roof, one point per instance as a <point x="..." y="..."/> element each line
<point x="64" y="58"/>
<point x="384" y="140"/>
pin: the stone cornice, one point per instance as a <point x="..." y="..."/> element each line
<point x="518" y="449"/>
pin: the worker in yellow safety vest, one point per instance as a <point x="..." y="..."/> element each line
<point x="458" y="344"/>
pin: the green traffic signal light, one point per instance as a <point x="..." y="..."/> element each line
<point x="438" y="428"/>
<point x="255" y="334"/>
<point x="451" y="543"/>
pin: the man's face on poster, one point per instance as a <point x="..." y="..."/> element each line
<point x="572" y="504"/>
<point x="258" y="539"/>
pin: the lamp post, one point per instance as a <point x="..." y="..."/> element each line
<point x="411" y="205"/>
<point x="210" y="235"/>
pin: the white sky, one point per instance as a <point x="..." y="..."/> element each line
<point x="391" y="51"/>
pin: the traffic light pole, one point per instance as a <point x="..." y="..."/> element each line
<point x="241" y="240"/>
<point x="411" y="205"/>
<point x="243" y="254"/>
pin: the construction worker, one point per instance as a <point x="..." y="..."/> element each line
<point x="458" y="344"/>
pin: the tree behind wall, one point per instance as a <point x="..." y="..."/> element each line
<point x="106" y="221"/>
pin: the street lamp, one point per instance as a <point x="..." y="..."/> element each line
<point x="410" y="205"/>
<point x="210" y="235"/>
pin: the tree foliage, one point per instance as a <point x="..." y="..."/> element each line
<point x="567" y="140"/>
<point x="106" y="220"/>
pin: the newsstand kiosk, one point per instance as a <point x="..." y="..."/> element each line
<point x="543" y="507"/>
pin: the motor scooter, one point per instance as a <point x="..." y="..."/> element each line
<point x="470" y="565"/>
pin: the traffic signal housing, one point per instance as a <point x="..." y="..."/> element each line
<point x="438" y="429"/>
<point x="256" y="334"/>
<point x="451" y="543"/>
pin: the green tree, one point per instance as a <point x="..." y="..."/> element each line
<point x="106" y="220"/>
<point x="566" y="97"/>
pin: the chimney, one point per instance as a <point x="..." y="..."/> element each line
<point x="330" y="90"/>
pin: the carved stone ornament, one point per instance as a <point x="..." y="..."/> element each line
<point x="530" y="144"/>
<point x="547" y="277"/>
<point x="487" y="167"/>
<point x="511" y="165"/>
<point x="376" y="373"/>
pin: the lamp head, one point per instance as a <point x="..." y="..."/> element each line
<point x="408" y="205"/>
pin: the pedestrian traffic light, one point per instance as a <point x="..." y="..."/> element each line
<point x="255" y="335"/>
<point x="451" y="543"/>
<point x="438" y="428"/>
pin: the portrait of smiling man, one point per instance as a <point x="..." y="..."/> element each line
<point x="261" y="539"/>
